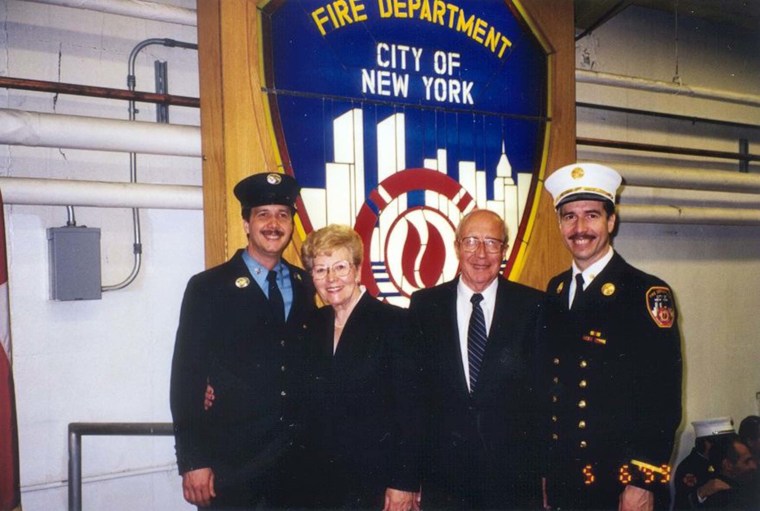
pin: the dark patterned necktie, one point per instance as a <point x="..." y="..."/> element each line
<point x="578" y="290"/>
<point x="275" y="297"/>
<point x="476" y="339"/>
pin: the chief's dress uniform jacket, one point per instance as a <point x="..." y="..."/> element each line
<point x="228" y="337"/>
<point x="365" y="419"/>
<point x="613" y="375"/>
<point x="479" y="446"/>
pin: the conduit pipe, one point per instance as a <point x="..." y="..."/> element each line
<point x="668" y="177"/>
<point x="61" y="192"/>
<point x="688" y="215"/>
<point x="134" y="8"/>
<point x="683" y="198"/>
<point x="19" y="127"/>
<point x="630" y="82"/>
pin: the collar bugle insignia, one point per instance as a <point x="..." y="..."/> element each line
<point x="661" y="307"/>
<point x="242" y="282"/>
<point x="560" y="287"/>
<point x="608" y="289"/>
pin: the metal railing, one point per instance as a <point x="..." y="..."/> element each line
<point x="79" y="429"/>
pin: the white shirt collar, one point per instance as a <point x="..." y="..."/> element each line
<point x="489" y="293"/>
<point x="590" y="273"/>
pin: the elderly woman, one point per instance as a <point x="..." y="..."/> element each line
<point x="363" y="417"/>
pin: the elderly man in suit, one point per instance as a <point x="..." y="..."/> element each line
<point x="475" y="338"/>
<point x="612" y="362"/>
<point x="239" y="331"/>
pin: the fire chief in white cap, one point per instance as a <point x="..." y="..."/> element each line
<point x="612" y="368"/>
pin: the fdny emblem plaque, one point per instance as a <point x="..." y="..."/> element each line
<point x="399" y="117"/>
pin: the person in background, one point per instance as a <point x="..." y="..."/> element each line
<point x="239" y="331"/>
<point x="731" y="488"/>
<point x="695" y="469"/>
<point x="612" y="361"/>
<point x="749" y="432"/>
<point x="363" y="423"/>
<point x="475" y="338"/>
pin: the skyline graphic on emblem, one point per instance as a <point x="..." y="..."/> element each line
<point x="401" y="239"/>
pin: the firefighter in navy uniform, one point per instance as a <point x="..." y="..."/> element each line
<point x="695" y="469"/>
<point x="612" y="360"/>
<point x="240" y="330"/>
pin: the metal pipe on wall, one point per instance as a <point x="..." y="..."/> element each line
<point x="687" y="179"/>
<point x="643" y="84"/>
<point x="61" y="192"/>
<point x="703" y="198"/>
<point x="687" y="215"/>
<point x="133" y="8"/>
<point x="19" y="127"/>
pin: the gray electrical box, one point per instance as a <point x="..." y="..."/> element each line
<point x="74" y="263"/>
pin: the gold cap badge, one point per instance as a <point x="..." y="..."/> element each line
<point x="274" y="179"/>
<point x="577" y="173"/>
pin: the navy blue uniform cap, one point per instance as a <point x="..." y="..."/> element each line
<point x="267" y="188"/>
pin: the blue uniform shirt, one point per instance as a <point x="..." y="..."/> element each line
<point x="259" y="273"/>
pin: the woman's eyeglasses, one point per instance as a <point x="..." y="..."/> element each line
<point x="339" y="269"/>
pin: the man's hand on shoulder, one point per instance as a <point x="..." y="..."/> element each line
<point x="198" y="486"/>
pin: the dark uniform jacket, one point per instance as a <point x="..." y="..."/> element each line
<point x="613" y="378"/>
<point x="228" y="338"/>
<point x="365" y="418"/>
<point x="692" y="472"/>
<point x="479" y="447"/>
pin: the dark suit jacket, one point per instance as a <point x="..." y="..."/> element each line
<point x="227" y="336"/>
<point x="479" y="448"/>
<point x="613" y="376"/>
<point x="364" y="420"/>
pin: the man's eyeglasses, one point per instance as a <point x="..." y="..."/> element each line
<point x="471" y="244"/>
<point x="339" y="269"/>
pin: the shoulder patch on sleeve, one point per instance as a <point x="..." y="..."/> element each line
<point x="661" y="306"/>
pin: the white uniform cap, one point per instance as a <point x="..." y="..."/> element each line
<point x="711" y="427"/>
<point x="583" y="181"/>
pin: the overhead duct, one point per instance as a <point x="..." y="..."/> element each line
<point x="19" y="127"/>
<point x="60" y="192"/>
<point x="133" y="8"/>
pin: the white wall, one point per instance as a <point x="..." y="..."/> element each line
<point x="105" y="360"/>
<point x="714" y="270"/>
<point x="108" y="360"/>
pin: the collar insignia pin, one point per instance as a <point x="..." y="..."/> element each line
<point x="242" y="282"/>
